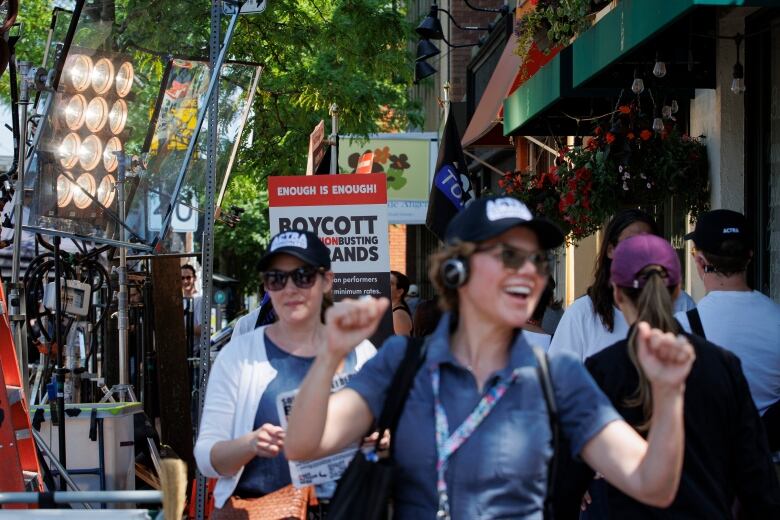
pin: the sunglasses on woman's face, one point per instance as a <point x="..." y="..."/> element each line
<point x="303" y="278"/>
<point x="513" y="258"/>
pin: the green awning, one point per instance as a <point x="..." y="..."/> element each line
<point x="533" y="96"/>
<point x="629" y="24"/>
<point x="625" y="28"/>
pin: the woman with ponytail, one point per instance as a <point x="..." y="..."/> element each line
<point x="592" y="321"/>
<point x="726" y="451"/>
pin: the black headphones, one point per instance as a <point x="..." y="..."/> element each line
<point x="455" y="272"/>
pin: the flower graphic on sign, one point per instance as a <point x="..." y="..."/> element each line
<point x="396" y="169"/>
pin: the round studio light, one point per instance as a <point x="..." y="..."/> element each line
<point x="97" y="114"/>
<point x="124" y="79"/>
<point x="75" y="112"/>
<point x="105" y="190"/>
<point x="90" y="152"/>
<point x="85" y="186"/>
<point x="78" y="68"/>
<point x="110" y="159"/>
<point x="64" y="191"/>
<point x="117" y="117"/>
<point x="102" y="76"/>
<point x="69" y="150"/>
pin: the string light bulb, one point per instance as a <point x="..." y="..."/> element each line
<point x="658" y="124"/>
<point x="638" y="86"/>
<point x="738" y="76"/>
<point x="666" y="112"/>
<point x="675" y="106"/>
<point x="659" y="69"/>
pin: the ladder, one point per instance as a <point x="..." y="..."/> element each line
<point x="20" y="469"/>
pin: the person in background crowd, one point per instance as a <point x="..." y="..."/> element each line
<point x="726" y="451"/>
<point x="263" y="314"/>
<point x="533" y="331"/>
<point x="426" y="317"/>
<point x="413" y="298"/>
<point x="240" y="441"/>
<point x="592" y="322"/>
<point x="189" y="290"/>
<point x="479" y="379"/>
<point x="402" y="316"/>
<point x="732" y="315"/>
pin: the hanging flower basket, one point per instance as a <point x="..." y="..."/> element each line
<point x="625" y="163"/>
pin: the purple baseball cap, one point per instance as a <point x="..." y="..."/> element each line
<point x="634" y="254"/>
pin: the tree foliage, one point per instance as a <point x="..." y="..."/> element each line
<point x="314" y="53"/>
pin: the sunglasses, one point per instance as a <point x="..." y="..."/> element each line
<point x="303" y="278"/>
<point x="513" y="258"/>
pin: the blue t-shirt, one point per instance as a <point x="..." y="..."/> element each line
<point x="263" y="475"/>
<point x="501" y="470"/>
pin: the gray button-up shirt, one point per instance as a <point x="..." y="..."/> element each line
<point x="501" y="471"/>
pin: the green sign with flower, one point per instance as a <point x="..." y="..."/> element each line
<point x="407" y="159"/>
<point x="631" y="161"/>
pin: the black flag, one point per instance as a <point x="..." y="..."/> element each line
<point x="447" y="195"/>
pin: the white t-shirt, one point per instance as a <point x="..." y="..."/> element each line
<point x="537" y="339"/>
<point x="748" y="324"/>
<point x="582" y="333"/>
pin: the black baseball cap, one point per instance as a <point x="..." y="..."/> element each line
<point x="304" y="245"/>
<point x="713" y="228"/>
<point x="488" y="217"/>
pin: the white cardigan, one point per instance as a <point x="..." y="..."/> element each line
<point x="237" y="381"/>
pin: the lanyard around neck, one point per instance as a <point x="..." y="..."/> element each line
<point x="447" y="444"/>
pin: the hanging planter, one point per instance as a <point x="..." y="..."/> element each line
<point x="554" y="23"/>
<point x="624" y="163"/>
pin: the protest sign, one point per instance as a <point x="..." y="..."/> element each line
<point x="319" y="471"/>
<point x="349" y="214"/>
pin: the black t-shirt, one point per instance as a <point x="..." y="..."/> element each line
<point x="726" y="451"/>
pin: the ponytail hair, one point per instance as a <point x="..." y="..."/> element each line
<point x="653" y="304"/>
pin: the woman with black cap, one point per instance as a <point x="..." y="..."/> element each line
<point x="726" y="451"/>
<point x="240" y="441"/>
<point x="473" y="439"/>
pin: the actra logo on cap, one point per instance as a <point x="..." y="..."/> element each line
<point x="289" y="239"/>
<point x="507" y="208"/>
<point x="730" y="230"/>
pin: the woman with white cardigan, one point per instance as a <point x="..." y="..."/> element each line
<point x="240" y="441"/>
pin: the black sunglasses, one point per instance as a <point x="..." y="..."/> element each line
<point x="303" y="277"/>
<point x="513" y="258"/>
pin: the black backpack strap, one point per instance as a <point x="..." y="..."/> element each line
<point x="695" y="321"/>
<point x="400" y="387"/>
<point x="543" y="372"/>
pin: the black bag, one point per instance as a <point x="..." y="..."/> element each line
<point x="365" y="487"/>
<point x="543" y="373"/>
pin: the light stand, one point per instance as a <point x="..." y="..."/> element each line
<point x="15" y="303"/>
<point x="124" y="390"/>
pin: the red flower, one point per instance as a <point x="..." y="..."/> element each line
<point x="586" y="203"/>
<point x="646" y="134"/>
<point x="501" y="183"/>
<point x="630" y="136"/>
<point x="583" y="173"/>
<point x="610" y="138"/>
<point x="624" y="109"/>
<point x="597" y="130"/>
<point x="563" y="151"/>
